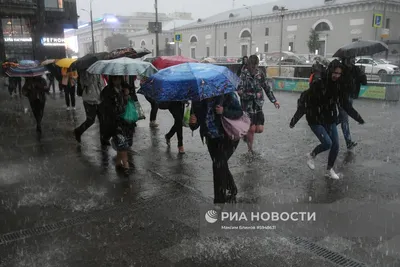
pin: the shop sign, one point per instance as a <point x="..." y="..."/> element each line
<point x="10" y="40"/>
<point x="48" y="41"/>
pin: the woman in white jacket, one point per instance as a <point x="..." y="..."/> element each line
<point x="90" y="87"/>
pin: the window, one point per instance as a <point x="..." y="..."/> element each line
<point x="225" y="36"/>
<point x="266" y="31"/>
<point x="166" y="40"/>
<point x="152" y="41"/>
<point x="225" y="51"/>
<point x="291" y="47"/>
<point x="208" y="52"/>
<point x="193" y="52"/>
<point x="53" y="4"/>
<point x="265" y="48"/>
<point x="387" y="25"/>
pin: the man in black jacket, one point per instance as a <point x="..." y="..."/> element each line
<point x="319" y="104"/>
<point x="353" y="78"/>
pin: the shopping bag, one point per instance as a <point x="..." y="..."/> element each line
<point x="236" y="129"/>
<point x="186" y="117"/>
<point x="140" y="111"/>
<point x="130" y="115"/>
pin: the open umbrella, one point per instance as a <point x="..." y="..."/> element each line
<point x="47" y="62"/>
<point x="190" y="81"/>
<point x="208" y="60"/>
<point x="361" y="48"/>
<point x="123" y="66"/>
<point x="26" y="72"/>
<point x="169" y="61"/>
<point x="128" y="52"/>
<point x="28" y="63"/>
<point x="85" y="62"/>
<point x="65" y="62"/>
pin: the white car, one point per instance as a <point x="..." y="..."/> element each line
<point x="376" y="67"/>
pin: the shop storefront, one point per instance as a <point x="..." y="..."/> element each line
<point x="17" y="38"/>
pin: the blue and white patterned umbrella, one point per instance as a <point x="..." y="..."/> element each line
<point x="123" y="66"/>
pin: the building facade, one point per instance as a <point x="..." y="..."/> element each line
<point x="110" y="25"/>
<point x="337" y="22"/>
<point x="34" y="29"/>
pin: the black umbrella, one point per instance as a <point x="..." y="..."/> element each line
<point x="128" y="52"/>
<point x="361" y="48"/>
<point x="54" y="70"/>
<point x="88" y="60"/>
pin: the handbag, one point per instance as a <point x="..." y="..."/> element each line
<point x="130" y="115"/>
<point x="140" y="111"/>
<point x="236" y="129"/>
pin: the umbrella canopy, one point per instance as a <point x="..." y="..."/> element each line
<point x="26" y="72"/>
<point x="85" y="62"/>
<point x="165" y="62"/>
<point x="28" y="63"/>
<point x="123" y="66"/>
<point x="190" y="81"/>
<point x="9" y="64"/>
<point x="65" y="62"/>
<point x="208" y="60"/>
<point x="54" y="70"/>
<point x="361" y="48"/>
<point x="47" y="62"/>
<point x="128" y="52"/>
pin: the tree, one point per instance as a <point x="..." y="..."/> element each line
<point x="313" y="41"/>
<point x="116" y="41"/>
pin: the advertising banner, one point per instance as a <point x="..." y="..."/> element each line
<point x="373" y="92"/>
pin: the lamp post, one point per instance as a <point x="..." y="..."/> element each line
<point x="157" y="29"/>
<point x="251" y="26"/>
<point x="91" y="24"/>
<point x="282" y="16"/>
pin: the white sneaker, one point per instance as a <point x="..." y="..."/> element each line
<point x="74" y="108"/>
<point x="332" y="174"/>
<point x="310" y="161"/>
<point x="68" y="108"/>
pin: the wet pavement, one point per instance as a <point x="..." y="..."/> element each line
<point x="63" y="204"/>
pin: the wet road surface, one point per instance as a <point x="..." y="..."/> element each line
<point x="63" y="204"/>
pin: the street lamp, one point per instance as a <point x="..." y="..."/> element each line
<point x="91" y="23"/>
<point x="157" y="29"/>
<point x="251" y="26"/>
<point x="282" y="15"/>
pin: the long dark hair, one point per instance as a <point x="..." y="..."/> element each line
<point x="253" y="64"/>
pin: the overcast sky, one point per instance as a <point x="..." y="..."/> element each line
<point x="199" y="8"/>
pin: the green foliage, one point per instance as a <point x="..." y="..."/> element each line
<point x="116" y="41"/>
<point x="313" y="41"/>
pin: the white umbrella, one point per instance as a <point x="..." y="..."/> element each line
<point x="123" y="66"/>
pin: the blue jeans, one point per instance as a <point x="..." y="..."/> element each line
<point x="344" y="119"/>
<point x="329" y="138"/>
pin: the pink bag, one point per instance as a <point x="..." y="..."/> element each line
<point x="236" y="129"/>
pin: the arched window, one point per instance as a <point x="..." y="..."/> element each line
<point x="245" y="34"/>
<point x="143" y="44"/>
<point x="193" y="39"/>
<point x="322" y="27"/>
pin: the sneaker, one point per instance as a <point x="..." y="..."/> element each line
<point x="181" y="150"/>
<point x="68" y="108"/>
<point x="310" y="161"/>
<point x="332" y="174"/>
<point x="351" y="145"/>
<point x="74" y="108"/>
<point x="153" y="124"/>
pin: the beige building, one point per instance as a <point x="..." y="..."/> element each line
<point x="338" y="22"/>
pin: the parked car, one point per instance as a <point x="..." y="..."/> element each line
<point x="375" y="67"/>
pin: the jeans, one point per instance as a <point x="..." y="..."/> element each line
<point x="69" y="95"/>
<point x="154" y="109"/>
<point x="221" y="149"/>
<point x="91" y="112"/>
<point x="177" y="109"/>
<point x="344" y="118"/>
<point x="37" y="107"/>
<point x="329" y="138"/>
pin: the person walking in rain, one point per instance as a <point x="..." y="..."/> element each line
<point x="90" y="86"/>
<point x="35" y="89"/>
<point x="177" y="110"/>
<point x="250" y="90"/>
<point x="319" y="104"/>
<point x="207" y="115"/>
<point x="353" y="78"/>
<point x="243" y="65"/>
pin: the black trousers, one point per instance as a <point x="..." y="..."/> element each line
<point x="221" y="150"/>
<point x="52" y="84"/>
<point x="69" y="95"/>
<point x="91" y="112"/>
<point x="37" y="107"/>
<point x="177" y="109"/>
<point x="154" y="109"/>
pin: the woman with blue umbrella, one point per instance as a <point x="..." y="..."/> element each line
<point x="211" y="90"/>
